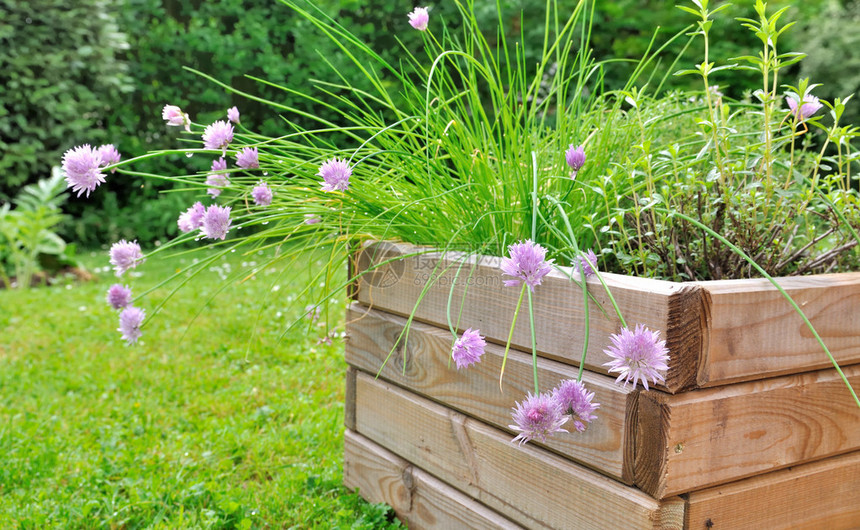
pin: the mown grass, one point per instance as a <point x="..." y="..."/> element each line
<point x="207" y="426"/>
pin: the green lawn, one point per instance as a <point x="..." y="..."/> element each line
<point x="220" y="424"/>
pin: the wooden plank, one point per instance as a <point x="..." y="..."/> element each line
<point x="707" y="437"/>
<point x="607" y="443"/>
<point x="527" y="484"/>
<point x="677" y="310"/>
<point x="755" y="333"/>
<point x="418" y="498"/>
<point x="824" y="494"/>
<point x="717" y="332"/>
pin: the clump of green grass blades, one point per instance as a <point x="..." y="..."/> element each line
<point x="187" y="430"/>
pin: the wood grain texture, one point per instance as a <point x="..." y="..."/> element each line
<point x="558" y="307"/>
<point x="419" y="499"/>
<point x="651" y="442"/>
<point x="697" y="439"/>
<point x="349" y="399"/>
<point x="717" y="332"/>
<point x="754" y="333"/>
<point x="475" y="392"/>
<point x="529" y="485"/>
<point x="824" y="494"/>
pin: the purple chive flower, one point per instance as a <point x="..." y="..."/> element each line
<point x="82" y="166"/>
<point x="468" y="349"/>
<point x="419" y="18"/>
<point x="262" y="194"/>
<point x="129" y="323"/>
<point x="526" y="264"/>
<point x="575" y="157"/>
<point x="109" y="155"/>
<point x="312" y="219"/>
<point x="575" y="400"/>
<point x="216" y="222"/>
<point x="589" y="263"/>
<point x="119" y="296"/>
<point x="218" y="135"/>
<point x="248" y="158"/>
<point x="125" y="255"/>
<point x="174" y="116"/>
<point x="219" y="180"/>
<point x="233" y="114"/>
<point x="192" y="218"/>
<point x="537" y="417"/>
<point x="638" y="355"/>
<point x="809" y="107"/>
<point x="335" y="173"/>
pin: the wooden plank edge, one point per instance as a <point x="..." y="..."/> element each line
<point x="631" y="422"/>
<point x="650" y="464"/>
<point x="686" y="337"/>
<point x="418" y="498"/>
<point x="349" y="399"/>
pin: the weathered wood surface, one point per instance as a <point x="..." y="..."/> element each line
<point x="349" y="398"/>
<point x="754" y="332"/>
<point x="607" y="443"/>
<point x="673" y="308"/>
<point x="701" y="438"/>
<point x="823" y="494"/>
<point x="419" y="499"/>
<point x="529" y="485"/>
<point x="717" y="332"/>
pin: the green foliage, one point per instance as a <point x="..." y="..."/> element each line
<point x="217" y="430"/>
<point x="102" y="75"/>
<point x="234" y="41"/>
<point x="464" y="123"/>
<point x="28" y="231"/>
<point x="623" y="31"/>
<point x="59" y="73"/>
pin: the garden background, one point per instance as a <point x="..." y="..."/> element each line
<point x="218" y="420"/>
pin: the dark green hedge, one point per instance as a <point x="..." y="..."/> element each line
<point x="60" y="74"/>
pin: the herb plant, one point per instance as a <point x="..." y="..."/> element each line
<point x="465" y="144"/>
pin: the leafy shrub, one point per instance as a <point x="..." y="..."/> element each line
<point x="27" y="232"/>
<point x="60" y="73"/>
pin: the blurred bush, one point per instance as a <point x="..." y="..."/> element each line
<point x="833" y="44"/>
<point x="60" y="73"/>
<point x="623" y="29"/>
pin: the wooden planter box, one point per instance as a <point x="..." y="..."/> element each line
<point x="752" y="429"/>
